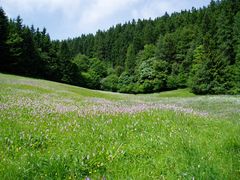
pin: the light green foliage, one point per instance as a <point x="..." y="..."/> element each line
<point x="147" y="53"/>
<point x="91" y="79"/>
<point x="14" y="43"/>
<point x="199" y="58"/>
<point x="200" y="77"/>
<point x="125" y="82"/>
<point x="82" y="62"/>
<point x="98" y="67"/>
<point x="92" y="71"/>
<point x="56" y="131"/>
<point x="152" y="74"/>
<point x="110" y="83"/>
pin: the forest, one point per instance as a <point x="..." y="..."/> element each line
<point x="197" y="49"/>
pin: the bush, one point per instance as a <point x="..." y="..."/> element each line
<point x="110" y="83"/>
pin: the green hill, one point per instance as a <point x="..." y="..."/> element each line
<point x="50" y="130"/>
<point x="195" y="48"/>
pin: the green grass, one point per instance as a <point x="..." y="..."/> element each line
<point x="176" y="93"/>
<point x="50" y="130"/>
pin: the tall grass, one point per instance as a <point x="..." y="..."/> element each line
<point x="55" y="131"/>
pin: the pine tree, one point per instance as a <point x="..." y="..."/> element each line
<point x="31" y="63"/>
<point x="15" y="45"/>
<point x="237" y="53"/>
<point x="200" y="76"/>
<point x="166" y="48"/>
<point x="130" y="59"/>
<point x="3" y="39"/>
<point x="203" y="43"/>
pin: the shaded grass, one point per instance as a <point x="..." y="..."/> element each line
<point x="176" y="93"/>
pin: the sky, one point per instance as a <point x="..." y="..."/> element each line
<point x="70" y="18"/>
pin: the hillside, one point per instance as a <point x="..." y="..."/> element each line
<point x="197" y="49"/>
<point x="51" y="130"/>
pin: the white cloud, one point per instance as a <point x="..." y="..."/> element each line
<point x="104" y="8"/>
<point x="156" y="8"/>
<point x="152" y="9"/>
<point x="74" y="17"/>
<point x="101" y="10"/>
<point x="68" y="7"/>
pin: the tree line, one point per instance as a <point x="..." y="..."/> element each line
<point x="197" y="48"/>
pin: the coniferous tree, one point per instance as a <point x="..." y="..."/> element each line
<point x="197" y="80"/>
<point x="236" y="67"/>
<point x="200" y="46"/>
<point x="3" y="39"/>
<point x="130" y="59"/>
<point x="68" y="69"/>
<point x="15" y="44"/>
<point x="31" y="62"/>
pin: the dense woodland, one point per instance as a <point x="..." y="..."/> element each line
<point x="197" y="48"/>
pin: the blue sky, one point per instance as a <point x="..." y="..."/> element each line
<point x="71" y="18"/>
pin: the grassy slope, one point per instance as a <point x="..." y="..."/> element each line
<point x="55" y="130"/>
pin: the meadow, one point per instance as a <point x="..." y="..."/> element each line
<point x="50" y="130"/>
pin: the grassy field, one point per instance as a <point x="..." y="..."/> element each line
<point x="50" y="130"/>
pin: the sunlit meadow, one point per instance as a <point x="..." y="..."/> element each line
<point x="50" y="130"/>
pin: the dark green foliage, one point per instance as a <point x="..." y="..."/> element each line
<point x="130" y="59"/>
<point x="30" y="52"/>
<point x="198" y="48"/>
<point x="3" y="39"/>
<point x="166" y="47"/>
<point x="236" y="68"/>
